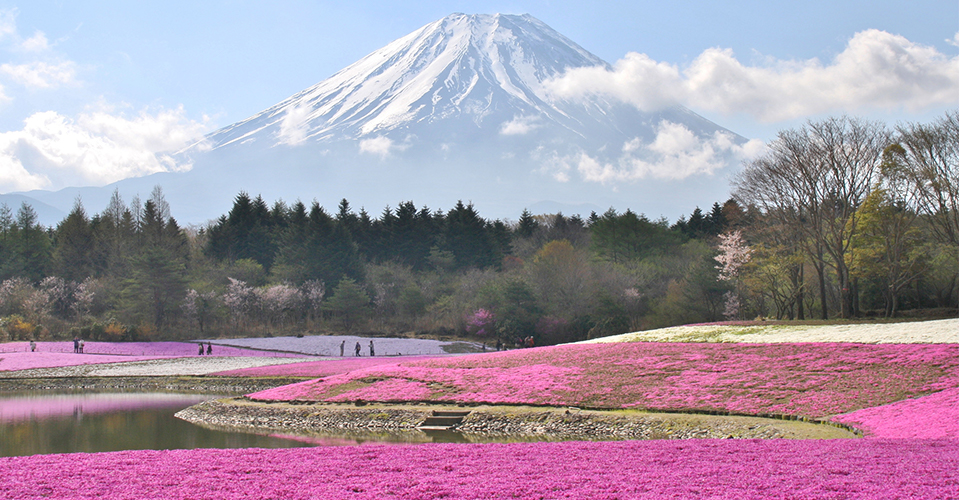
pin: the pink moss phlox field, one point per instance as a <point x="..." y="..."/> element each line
<point x="386" y="390"/>
<point x="17" y="355"/>
<point x="509" y="385"/>
<point x="28" y="360"/>
<point x="140" y="349"/>
<point x="723" y="469"/>
<point x="927" y="417"/>
<point x="809" y="379"/>
<point x="322" y="368"/>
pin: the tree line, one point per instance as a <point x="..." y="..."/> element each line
<point x="839" y="218"/>
<point x="853" y="216"/>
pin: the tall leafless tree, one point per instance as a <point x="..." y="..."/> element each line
<point x="814" y="178"/>
<point x="923" y="162"/>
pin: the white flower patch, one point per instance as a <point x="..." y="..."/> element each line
<point x="945" y="331"/>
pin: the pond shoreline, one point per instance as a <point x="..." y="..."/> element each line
<point x="371" y="421"/>
<point x="494" y="423"/>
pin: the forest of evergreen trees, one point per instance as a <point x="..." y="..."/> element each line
<point x="840" y="218"/>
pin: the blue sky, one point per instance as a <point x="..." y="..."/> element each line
<point x="141" y="77"/>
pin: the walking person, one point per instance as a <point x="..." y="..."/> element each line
<point x="81" y="346"/>
<point x="76" y="345"/>
<point x="209" y="348"/>
<point x="342" y="343"/>
<point x="33" y="346"/>
<point x="371" y="349"/>
<point x="357" y="349"/>
<point x="200" y="352"/>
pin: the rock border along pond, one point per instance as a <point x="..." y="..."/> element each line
<point x="398" y="422"/>
<point x="494" y="423"/>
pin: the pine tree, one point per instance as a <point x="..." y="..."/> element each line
<point x="465" y="235"/>
<point x="349" y="302"/>
<point x="157" y="284"/>
<point x="73" y="253"/>
<point x="29" y="247"/>
<point x="527" y="225"/>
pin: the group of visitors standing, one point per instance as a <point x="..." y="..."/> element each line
<point x="77" y="345"/>
<point x="356" y="349"/>
<point x="209" y="349"/>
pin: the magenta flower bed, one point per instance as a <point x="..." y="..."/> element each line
<point x="814" y="380"/>
<point x="724" y="469"/>
<point x="322" y="368"/>
<point x="933" y="416"/>
<point x="17" y="355"/>
<point x="141" y="349"/>
<point x="29" y="360"/>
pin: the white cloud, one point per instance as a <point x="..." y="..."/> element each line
<point x="383" y="146"/>
<point x="636" y="79"/>
<point x="520" y="125"/>
<point x="40" y="74"/>
<point x="553" y="164"/>
<point x="8" y="23"/>
<point x="36" y="43"/>
<point x="293" y="127"/>
<point x="96" y="148"/>
<point x="39" y="69"/>
<point x="674" y="154"/>
<point x="875" y="70"/>
<point x="8" y="29"/>
<point x="379" y="146"/>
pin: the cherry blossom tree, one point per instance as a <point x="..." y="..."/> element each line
<point x="481" y="323"/>
<point x="279" y="300"/>
<point x="240" y="299"/>
<point x="734" y="253"/>
<point x="198" y="306"/>
<point x="313" y="292"/>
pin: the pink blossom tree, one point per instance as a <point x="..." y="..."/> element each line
<point x="734" y="253"/>
<point x="280" y="300"/>
<point x="313" y="292"/>
<point x="199" y="306"/>
<point x="240" y="299"/>
<point x="481" y="323"/>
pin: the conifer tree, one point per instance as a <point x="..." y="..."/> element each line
<point x="73" y="254"/>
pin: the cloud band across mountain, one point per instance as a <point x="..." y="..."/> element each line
<point x="876" y="70"/>
<point x="675" y="154"/>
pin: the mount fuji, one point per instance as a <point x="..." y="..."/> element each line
<point x="465" y="108"/>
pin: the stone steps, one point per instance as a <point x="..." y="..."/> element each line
<point x="442" y="420"/>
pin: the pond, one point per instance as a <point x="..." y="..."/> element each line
<point x="40" y="423"/>
<point x="43" y="423"/>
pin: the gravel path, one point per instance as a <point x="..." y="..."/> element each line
<point x="945" y="331"/>
<point x="157" y="367"/>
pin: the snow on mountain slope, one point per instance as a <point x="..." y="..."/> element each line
<point x="465" y="67"/>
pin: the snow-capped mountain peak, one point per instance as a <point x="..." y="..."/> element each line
<point x="456" y="110"/>
<point x="461" y="65"/>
